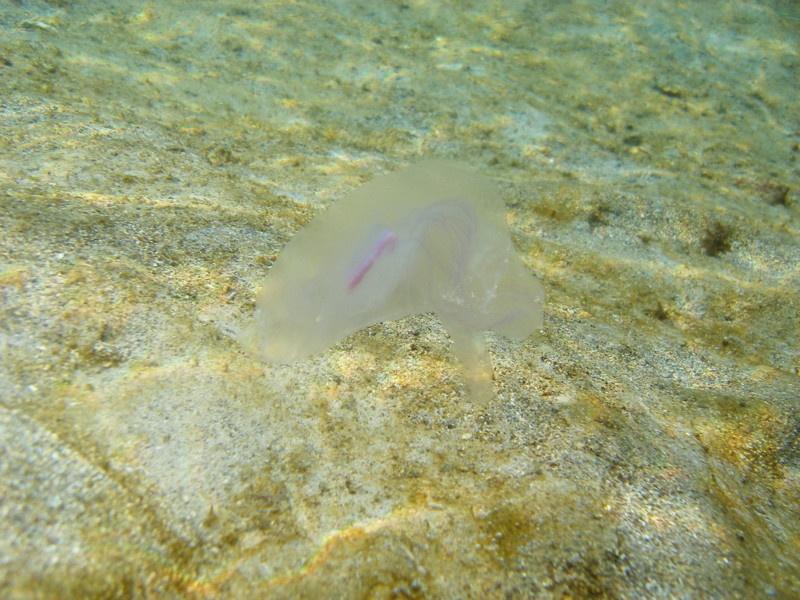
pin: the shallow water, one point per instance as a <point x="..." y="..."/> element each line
<point x="155" y="159"/>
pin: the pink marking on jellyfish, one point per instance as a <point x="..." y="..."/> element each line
<point x="387" y="242"/>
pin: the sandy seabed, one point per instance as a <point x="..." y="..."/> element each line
<point x="155" y="158"/>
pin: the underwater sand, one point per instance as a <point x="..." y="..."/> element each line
<point x="156" y="157"/>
